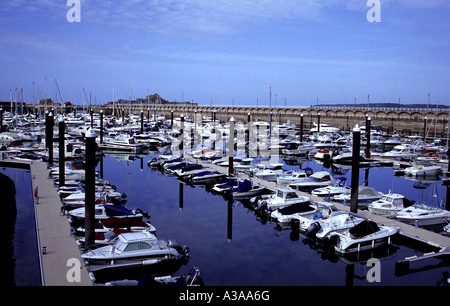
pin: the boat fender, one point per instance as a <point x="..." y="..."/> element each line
<point x="312" y="230"/>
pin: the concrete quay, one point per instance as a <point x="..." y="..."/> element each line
<point x="61" y="262"/>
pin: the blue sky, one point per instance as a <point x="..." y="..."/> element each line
<point x="220" y="51"/>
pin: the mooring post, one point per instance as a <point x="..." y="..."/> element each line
<point x="230" y="219"/>
<point x="355" y="170"/>
<point x="171" y="118"/>
<point x="1" y="120"/>
<point x="50" y="137"/>
<point x="142" y="121"/>
<point x="231" y="147"/>
<point x="182" y="135"/>
<point x="89" y="220"/>
<point x="247" y="136"/>
<point x="101" y="126"/>
<point x="318" y="122"/>
<point x="368" y="127"/>
<point x="62" y="151"/>
<point x="301" y="127"/>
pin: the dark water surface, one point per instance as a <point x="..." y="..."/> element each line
<point x="232" y="246"/>
<point x="19" y="242"/>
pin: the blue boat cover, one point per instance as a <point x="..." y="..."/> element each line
<point x="245" y="186"/>
<point x="117" y="210"/>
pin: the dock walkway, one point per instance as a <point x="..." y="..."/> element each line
<point x="61" y="262"/>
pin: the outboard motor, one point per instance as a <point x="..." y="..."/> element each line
<point x="312" y="230"/>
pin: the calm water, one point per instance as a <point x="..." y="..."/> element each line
<point x="232" y="246"/>
<point x="19" y="243"/>
<point x="227" y="241"/>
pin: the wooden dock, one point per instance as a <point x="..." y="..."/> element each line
<point x="60" y="257"/>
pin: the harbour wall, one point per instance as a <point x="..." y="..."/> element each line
<point x="407" y="121"/>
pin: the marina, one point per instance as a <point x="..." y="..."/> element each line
<point x="229" y="239"/>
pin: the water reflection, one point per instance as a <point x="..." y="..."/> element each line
<point x="261" y="252"/>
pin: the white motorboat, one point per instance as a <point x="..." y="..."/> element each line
<point x="247" y="189"/>
<point x="123" y="142"/>
<point x="134" y="250"/>
<point x="336" y="221"/>
<point x="298" y="148"/>
<point x="225" y="185"/>
<point x="324" y="127"/>
<point x="205" y="177"/>
<point x="269" y="173"/>
<point x="290" y="177"/>
<point x="283" y="197"/>
<point x="106" y="225"/>
<point x="303" y="214"/>
<point x="365" y="235"/>
<point x="103" y="212"/>
<point x="423" y="168"/>
<point x="245" y="165"/>
<point x="324" y="154"/>
<point x="389" y="204"/>
<point x="315" y="180"/>
<point x="335" y="188"/>
<point x="423" y="215"/>
<point x="366" y="195"/>
<point x="401" y="152"/>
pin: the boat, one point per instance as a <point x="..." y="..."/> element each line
<point x="315" y="180"/>
<point x="268" y="173"/>
<point x="422" y="215"/>
<point x="422" y="168"/>
<point x="290" y="177"/>
<point x="447" y="229"/>
<point x="134" y="250"/>
<point x="106" y="225"/>
<point x="366" y="195"/>
<point x="389" y="204"/>
<point x="103" y="212"/>
<point x="337" y="221"/>
<point x="401" y="152"/>
<point x="366" y="235"/>
<point x="282" y="197"/>
<point x="124" y="143"/>
<point x="324" y="127"/>
<point x="325" y="154"/>
<point x="247" y="189"/>
<point x="225" y="185"/>
<point x="298" y="148"/>
<point x="336" y="187"/>
<point x="245" y="165"/>
<point x="205" y="177"/>
<point x="303" y="214"/>
<point x="192" y="278"/>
